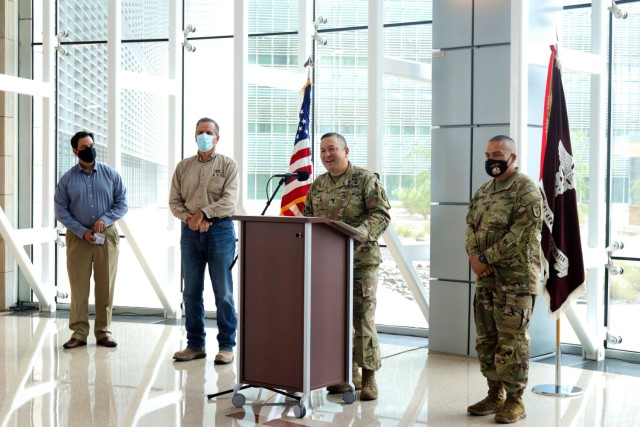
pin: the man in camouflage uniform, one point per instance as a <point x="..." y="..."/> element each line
<point x="504" y="223"/>
<point x="355" y="196"/>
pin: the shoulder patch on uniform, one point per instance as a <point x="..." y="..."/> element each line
<point x="537" y="211"/>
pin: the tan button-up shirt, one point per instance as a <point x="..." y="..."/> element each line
<point x="211" y="187"/>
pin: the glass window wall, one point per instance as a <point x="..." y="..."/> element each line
<point x="624" y="289"/>
<point x="340" y="102"/>
<point x="82" y="105"/>
<point x="211" y="18"/>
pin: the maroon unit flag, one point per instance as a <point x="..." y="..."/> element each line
<point x="295" y="192"/>
<point x="561" y="247"/>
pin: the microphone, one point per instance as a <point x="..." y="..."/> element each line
<point x="301" y="175"/>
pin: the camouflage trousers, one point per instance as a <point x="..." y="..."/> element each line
<point x="366" y="349"/>
<point x="502" y="342"/>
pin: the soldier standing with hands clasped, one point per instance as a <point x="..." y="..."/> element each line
<point x="504" y="224"/>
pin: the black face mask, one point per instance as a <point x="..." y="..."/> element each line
<point x="495" y="168"/>
<point x="88" y="155"/>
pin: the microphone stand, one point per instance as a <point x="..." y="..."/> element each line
<point x="282" y="180"/>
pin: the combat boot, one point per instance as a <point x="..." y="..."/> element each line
<point x="344" y="387"/>
<point x="357" y="378"/>
<point x="491" y="404"/>
<point x="339" y="388"/>
<point x="369" y="386"/>
<point x="513" y="410"/>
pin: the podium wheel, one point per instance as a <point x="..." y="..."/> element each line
<point x="349" y="396"/>
<point x="238" y="400"/>
<point x="299" y="411"/>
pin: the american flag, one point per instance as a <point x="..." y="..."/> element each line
<point x="561" y="248"/>
<point x="295" y="192"/>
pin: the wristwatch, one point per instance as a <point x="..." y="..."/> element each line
<point x="483" y="259"/>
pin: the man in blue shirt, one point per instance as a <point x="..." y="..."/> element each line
<point x="89" y="199"/>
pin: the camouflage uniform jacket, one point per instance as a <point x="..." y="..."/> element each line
<point x="358" y="200"/>
<point x="504" y="222"/>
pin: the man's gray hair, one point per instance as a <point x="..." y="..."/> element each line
<point x="208" y="120"/>
<point x="338" y="136"/>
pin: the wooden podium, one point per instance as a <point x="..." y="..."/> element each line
<point x="295" y="299"/>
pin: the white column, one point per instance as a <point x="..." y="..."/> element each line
<point x="114" y="52"/>
<point x="519" y="100"/>
<point x="594" y="348"/>
<point x="240" y="52"/>
<point x="305" y="13"/>
<point x="48" y="155"/>
<point x="174" y="145"/>
<point x="376" y="86"/>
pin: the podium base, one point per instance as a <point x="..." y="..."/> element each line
<point x="238" y="399"/>
<point x="231" y="390"/>
<point x="558" y="390"/>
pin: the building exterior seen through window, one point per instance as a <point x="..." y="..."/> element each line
<point x="339" y="104"/>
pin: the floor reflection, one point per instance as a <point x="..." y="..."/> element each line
<point x="139" y="384"/>
<point x="28" y="373"/>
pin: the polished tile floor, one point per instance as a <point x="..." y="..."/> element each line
<point x="138" y="384"/>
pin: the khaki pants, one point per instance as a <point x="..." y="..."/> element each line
<point x="83" y="258"/>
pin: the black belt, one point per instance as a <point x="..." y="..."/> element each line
<point x="216" y="220"/>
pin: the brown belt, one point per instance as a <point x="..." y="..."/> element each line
<point x="105" y="227"/>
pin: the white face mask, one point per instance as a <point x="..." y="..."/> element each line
<point x="205" y="142"/>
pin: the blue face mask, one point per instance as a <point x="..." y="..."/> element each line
<point x="205" y="142"/>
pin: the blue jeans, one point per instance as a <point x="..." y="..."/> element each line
<point x="216" y="249"/>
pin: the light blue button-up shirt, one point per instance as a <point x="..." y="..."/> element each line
<point x="81" y="199"/>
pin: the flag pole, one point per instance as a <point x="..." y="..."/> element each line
<point x="557" y="389"/>
<point x="295" y="191"/>
<point x="309" y="65"/>
<point x="558" y="354"/>
<point x="555" y="139"/>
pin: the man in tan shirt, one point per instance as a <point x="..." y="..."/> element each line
<point x="204" y="192"/>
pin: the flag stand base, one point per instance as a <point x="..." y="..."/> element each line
<point x="558" y="390"/>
